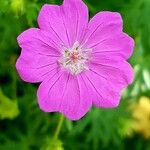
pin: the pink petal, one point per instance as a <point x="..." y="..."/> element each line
<point x="65" y="93"/>
<point x="67" y="22"/>
<point x="120" y="45"/>
<point x="104" y="95"/>
<point x="113" y="70"/>
<point x="39" y="41"/>
<point x="37" y="57"/>
<point x="105" y="35"/>
<point x="108" y="77"/>
<point x="103" y="25"/>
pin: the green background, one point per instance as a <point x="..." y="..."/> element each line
<point x="24" y="127"/>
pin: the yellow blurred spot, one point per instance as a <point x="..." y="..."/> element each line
<point x="141" y="114"/>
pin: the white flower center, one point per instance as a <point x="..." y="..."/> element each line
<point x="75" y="59"/>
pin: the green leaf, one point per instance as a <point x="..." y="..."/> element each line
<point x="17" y="6"/>
<point x="52" y="144"/>
<point x="8" y="108"/>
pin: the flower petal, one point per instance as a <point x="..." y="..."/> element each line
<point x="76" y="18"/>
<point x="103" y="25"/>
<point x="104" y="95"/>
<point x="39" y="41"/>
<point x="113" y="70"/>
<point x="37" y="57"/>
<point x="66" y="94"/>
<point x="105" y="35"/>
<point x="108" y="78"/>
<point x="121" y="45"/>
<point x="67" y="22"/>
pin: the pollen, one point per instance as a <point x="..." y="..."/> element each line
<point x="75" y="59"/>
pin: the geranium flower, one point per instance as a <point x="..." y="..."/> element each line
<point x="79" y="63"/>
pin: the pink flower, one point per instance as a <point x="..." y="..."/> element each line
<point x="78" y="63"/>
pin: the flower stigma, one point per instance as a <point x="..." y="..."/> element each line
<point x="75" y="59"/>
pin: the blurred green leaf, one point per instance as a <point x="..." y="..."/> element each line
<point x="52" y="144"/>
<point x="8" y="108"/>
<point x="17" y="6"/>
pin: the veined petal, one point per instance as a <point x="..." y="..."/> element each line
<point x="120" y="73"/>
<point x="66" y="94"/>
<point x="104" y="94"/>
<point x="33" y="67"/>
<point x="108" y="78"/>
<point x="39" y="41"/>
<point x="77" y="98"/>
<point x="103" y="25"/>
<point x="68" y="21"/>
<point x="105" y="36"/>
<point x="37" y="58"/>
<point x="120" y="45"/>
<point x="76" y="17"/>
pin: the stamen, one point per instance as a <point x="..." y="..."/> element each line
<point x="75" y="59"/>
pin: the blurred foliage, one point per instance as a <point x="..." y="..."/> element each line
<point x="7" y="104"/>
<point x="24" y="127"/>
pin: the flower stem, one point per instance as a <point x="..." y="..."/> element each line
<point x="60" y="123"/>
